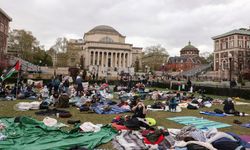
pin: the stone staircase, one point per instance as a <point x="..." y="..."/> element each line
<point x="195" y="71"/>
<point x="25" y="65"/>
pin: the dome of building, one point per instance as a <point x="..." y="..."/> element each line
<point x="104" y="29"/>
<point x="189" y="50"/>
<point x="189" y="47"/>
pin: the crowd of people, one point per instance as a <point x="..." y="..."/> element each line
<point x="61" y="92"/>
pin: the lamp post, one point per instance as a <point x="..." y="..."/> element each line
<point x="146" y="69"/>
<point x="163" y="70"/>
<point x="40" y="63"/>
<point x="230" y="56"/>
<point x="128" y="74"/>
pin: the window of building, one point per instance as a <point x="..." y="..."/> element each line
<point x="91" y="58"/>
<point x="224" y="65"/>
<point x="107" y="39"/>
<point x="109" y="62"/>
<point x="247" y="54"/>
<point x="1" y="27"/>
<point x="240" y="43"/>
<point x="247" y="44"/>
<point x="224" y="45"/>
<point x="231" y="44"/>
<point x="6" y="29"/>
<point x="217" y="46"/>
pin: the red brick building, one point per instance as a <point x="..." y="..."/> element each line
<point x="188" y="59"/>
<point x="4" y="28"/>
<point x="232" y="51"/>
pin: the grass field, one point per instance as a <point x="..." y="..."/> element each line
<point x="7" y="110"/>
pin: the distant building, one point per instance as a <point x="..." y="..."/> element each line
<point x="4" y="29"/>
<point x="234" y="44"/>
<point x="103" y="51"/>
<point x="75" y="46"/>
<point x="188" y="59"/>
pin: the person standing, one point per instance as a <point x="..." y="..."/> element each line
<point x="79" y="85"/>
<point x="189" y="85"/>
<point x="66" y="85"/>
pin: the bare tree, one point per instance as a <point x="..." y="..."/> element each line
<point x="60" y="45"/>
<point x="155" y="57"/>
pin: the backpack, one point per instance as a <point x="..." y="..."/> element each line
<point x="44" y="105"/>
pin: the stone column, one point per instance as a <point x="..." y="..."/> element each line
<point x="119" y="60"/>
<point x="127" y="60"/>
<point x="111" y="60"/>
<point x="215" y="62"/>
<point x="131" y="59"/>
<point x="102" y="63"/>
<point x="93" y="57"/>
<point x="107" y="56"/>
<point x="236" y="41"/>
<point x="88" y="58"/>
<point x="123" y="63"/>
<point x="115" y="59"/>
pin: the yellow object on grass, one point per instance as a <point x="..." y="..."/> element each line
<point x="151" y="121"/>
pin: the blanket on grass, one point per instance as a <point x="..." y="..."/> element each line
<point x="199" y="123"/>
<point x="108" y="109"/>
<point x="209" y="113"/>
<point x="26" y="133"/>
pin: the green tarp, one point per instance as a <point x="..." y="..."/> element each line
<point x="30" y="134"/>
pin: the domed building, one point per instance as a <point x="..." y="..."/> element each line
<point x="104" y="52"/>
<point x="189" y="50"/>
<point x="189" y="58"/>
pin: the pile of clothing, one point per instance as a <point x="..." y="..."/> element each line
<point x="23" y="106"/>
<point x="145" y="139"/>
<point x="187" y="138"/>
<point x="212" y="139"/>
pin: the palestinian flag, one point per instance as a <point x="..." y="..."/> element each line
<point x="10" y="72"/>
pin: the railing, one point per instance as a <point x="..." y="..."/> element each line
<point x="26" y="66"/>
<point x="195" y="71"/>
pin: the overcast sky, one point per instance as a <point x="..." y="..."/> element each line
<point x="171" y="23"/>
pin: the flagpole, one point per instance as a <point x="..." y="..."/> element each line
<point x="18" y="77"/>
<point x="17" y="83"/>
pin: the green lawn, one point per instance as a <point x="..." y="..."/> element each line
<point x="7" y="110"/>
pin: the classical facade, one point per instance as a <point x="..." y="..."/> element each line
<point x="4" y="29"/>
<point x="188" y="59"/>
<point x="232" y="51"/>
<point x="103" y="51"/>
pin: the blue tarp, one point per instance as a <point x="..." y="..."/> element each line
<point x="113" y="109"/>
<point x="212" y="114"/>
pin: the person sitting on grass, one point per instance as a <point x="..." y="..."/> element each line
<point x="229" y="108"/>
<point x="54" y="98"/>
<point x="173" y="103"/>
<point x="139" y="109"/>
<point x="63" y="100"/>
<point x="45" y="93"/>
